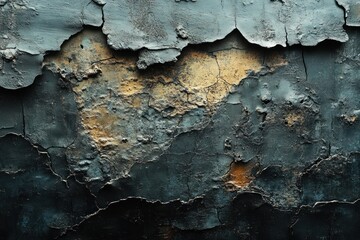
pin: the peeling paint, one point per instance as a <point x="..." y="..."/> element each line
<point x="34" y="27"/>
<point x="199" y="79"/>
<point x="167" y="120"/>
<point x="352" y="12"/>
<point x="267" y="23"/>
<point x="162" y="36"/>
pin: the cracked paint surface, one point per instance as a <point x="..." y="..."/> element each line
<point x="130" y="114"/>
<point x="167" y="120"/>
<point x="31" y="28"/>
<point x="352" y="11"/>
<point x="29" y="31"/>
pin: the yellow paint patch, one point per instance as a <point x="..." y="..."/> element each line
<point x="235" y="64"/>
<point x="135" y="102"/>
<point x="100" y="124"/>
<point x="114" y="97"/>
<point x="198" y="70"/>
<point x="294" y="118"/>
<point x="216" y="92"/>
<point x="169" y="96"/>
<point x="131" y="86"/>
<point x="203" y="80"/>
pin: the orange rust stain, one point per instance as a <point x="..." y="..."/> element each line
<point x="240" y="175"/>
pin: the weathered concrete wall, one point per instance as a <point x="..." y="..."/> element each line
<point x="179" y="119"/>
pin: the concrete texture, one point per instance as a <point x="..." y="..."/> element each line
<point x="179" y="119"/>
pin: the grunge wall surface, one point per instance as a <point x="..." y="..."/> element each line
<point x="169" y="119"/>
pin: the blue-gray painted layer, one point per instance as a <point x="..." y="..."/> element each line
<point x="306" y="180"/>
<point x="35" y="27"/>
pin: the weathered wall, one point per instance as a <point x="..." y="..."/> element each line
<point x="179" y="119"/>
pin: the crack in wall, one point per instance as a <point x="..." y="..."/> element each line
<point x="125" y="39"/>
<point x="190" y="85"/>
<point x="152" y="153"/>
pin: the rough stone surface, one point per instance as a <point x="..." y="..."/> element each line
<point x="352" y="14"/>
<point x="179" y="120"/>
<point x="160" y="28"/>
<point x="266" y="23"/>
<point x="31" y="28"/>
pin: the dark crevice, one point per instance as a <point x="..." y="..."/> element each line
<point x="286" y="36"/>
<point x="102" y="16"/>
<point x="304" y="63"/>
<point x="23" y="117"/>
<point x="345" y="12"/>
